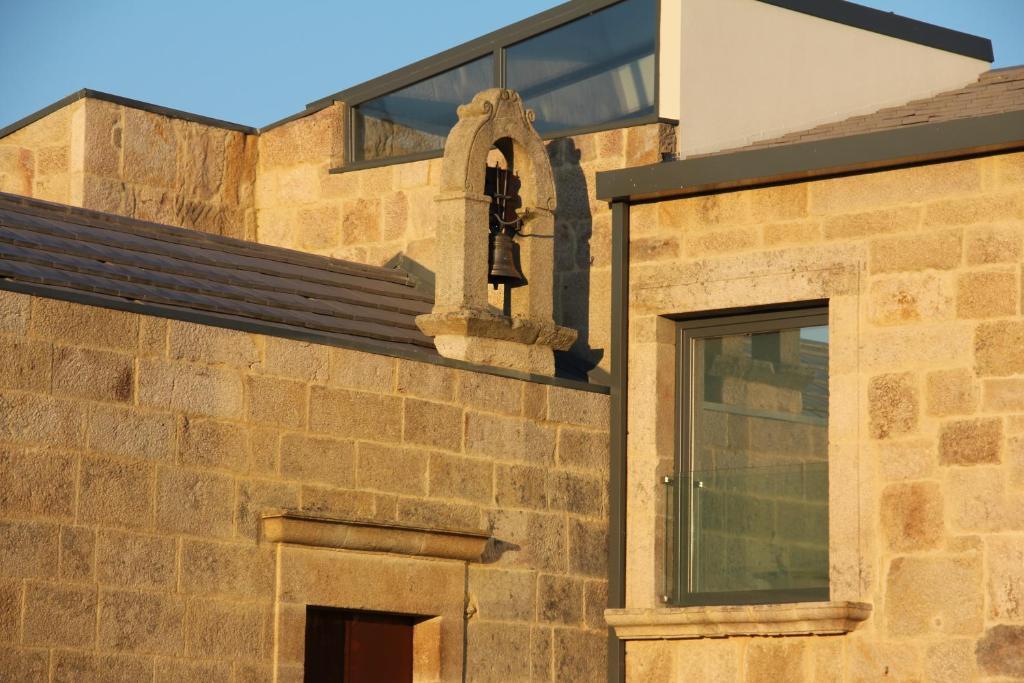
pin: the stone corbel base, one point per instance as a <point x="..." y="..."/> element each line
<point x="485" y="338"/>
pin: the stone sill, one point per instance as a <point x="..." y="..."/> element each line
<point x="788" y="619"/>
<point x="382" y="537"/>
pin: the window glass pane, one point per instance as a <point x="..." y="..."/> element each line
<point x="758" y="479"/>
<point x="418" y="118"/>
<point x="595" y="70"/>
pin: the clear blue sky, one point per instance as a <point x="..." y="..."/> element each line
<point x="256" y="61"/>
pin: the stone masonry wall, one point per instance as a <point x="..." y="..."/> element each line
<point x="137" y="453"/>
<point x="37" y="161"/>
<point x="922" y="268"/>
<point x="109" y="157"/>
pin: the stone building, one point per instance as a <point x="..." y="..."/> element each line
<point x="760" y="397"/>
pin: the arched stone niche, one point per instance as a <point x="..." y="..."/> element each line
<point x="462" y="324"/>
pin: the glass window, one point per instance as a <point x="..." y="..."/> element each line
<point x="418" y="118"/>
<point x="753" y="491"/>
<point x="595" y="70"/>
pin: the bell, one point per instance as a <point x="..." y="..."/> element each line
<point x="502" y="261"/>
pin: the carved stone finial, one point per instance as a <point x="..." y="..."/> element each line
<point x="462" y="324"/>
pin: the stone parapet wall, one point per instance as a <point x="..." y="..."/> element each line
<point x="37" y="161"/>
<point x="137" y="455"/>
<point x="922" y="270"/>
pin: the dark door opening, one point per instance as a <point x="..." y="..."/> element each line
<point x="344" y="646"/>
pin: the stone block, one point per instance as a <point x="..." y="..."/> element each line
<point x="534" y="540"/>
<point x="971" y="442"/>
<point x="540" y="653"/>
<point x="14" y="312"/>
<point x="934" y="594"/>
<point x="190" y="389"/>
<point x="17" y="168"/>
<point x="582" y="449"/>
<point x="456" y="477"/>
<point x="873" y="660"/>
<point x="990" y="206"/>
<point x="26" y="363"/>
<point x="776" y="660"/>
<point x="338" y="502"/>
<point x="186" y="671"/>
<point x="223" y="629"/>
<point x="396" y="470"/>
<point x="521" y="486"/>
<point x="10" y="610"/>
<point x="426" y="380"/>
<point x="240" y="569"/>
<point x="575" y="493"/>
<point x="92" y="374"/>
<point x="912" y="516"/>
<point x="131" y="432"/>
<point x="560" y="599"/>
<point x="939" y="250"/>
<point x="978" y="501"/>
<point x="950" y="661"/>
<point x="987" y="294"/>
<point x="77" y="553"/>
<point x="778" y="202"/>
<point x="360" y="222"/>
<point x="572" y="406"/>
<point x="437" y="514"/>
<point x="256" y="497"/>
<point x="1005" y="556"/>
<point x="710" y="243"/>
<point x="653" y="249"/>
<point x="150" y="148"/>
<point x="23" y="665"/>
<point x="143" y="623"/>
<point x="503" y="595"/>
<point x="869" y="223"/>
<point x="498" y="394"/>
<point x="595" y="601"/>
<point x="535" y="401"/>
<point x="36" y="483"/>
<point x="893" y="404"/>
<point x="355" y="414"/>
<point x="115" y="492"/>
<point x="999" y="348"/>
<point x="70" y="666"/>
<point x="194" y="502"/>
<point x="296" y="360"/>
<point x="928" y="346"/>
<point x="318" y="228"/>
<point x="35" y="419"/>
<point x="318" y="459"/>
<point x="999" y="243"/>
<point x="433" y="424"/>
<point x="906" y="460"/>
<point x="276" y="401"/>
<point x="75" y="324"/>
<point x="509" y="438"/>
<point x="588" y="548"/>
<point x="899" y="299"/>
<point x="1003" y="395"/>
<point x="214" y="444"/>
<point x="895" y="187"/>
<point x="791" y="232"/>
<point x="1000" y="652"/>
<point x="580" y="655"/>
<point x="951" y="392"/>
<point x="61" y="615"/>
<point x="499" y="652"/>
<point x="135" y="560"/>
<point x="212" y="345"/>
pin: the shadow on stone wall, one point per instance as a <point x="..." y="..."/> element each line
<point x="573" y="230"/>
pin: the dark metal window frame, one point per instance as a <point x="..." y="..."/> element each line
<point x="494" y="43"/>
<point x="688" y="330"/>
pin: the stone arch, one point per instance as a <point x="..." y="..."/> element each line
<point x="460" y="307"/>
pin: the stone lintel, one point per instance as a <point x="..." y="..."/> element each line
<point x="382" y="537"/>
<point x="787" y="619"/>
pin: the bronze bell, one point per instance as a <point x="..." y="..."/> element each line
<point x="502" y="262"/>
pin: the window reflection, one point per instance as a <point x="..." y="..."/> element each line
<point x="418" y="118"/>
<point x="595" y="70"/>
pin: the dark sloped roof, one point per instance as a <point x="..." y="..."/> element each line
<point x="103" y="259"/>
<point x="995" y="92"/>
